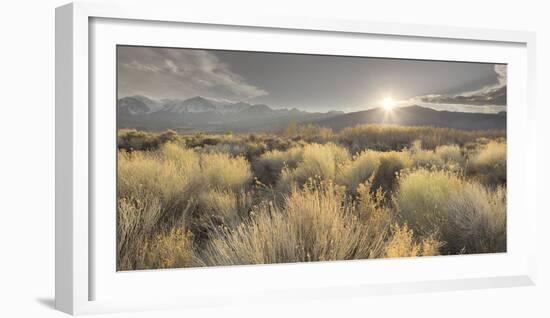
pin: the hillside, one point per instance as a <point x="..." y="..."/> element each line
<point x="417" y="116"/>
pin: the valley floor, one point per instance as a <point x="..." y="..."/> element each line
<point x="308" y="194"/>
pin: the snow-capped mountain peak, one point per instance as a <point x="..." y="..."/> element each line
<point x="201" y="104"/>
<point x="153" y="104"/>
<point x="192" y="105"/>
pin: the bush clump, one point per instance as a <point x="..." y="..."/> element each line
<point x="269" y="166"/>
<point x="316" y="223"/>
<point x="222" y="171"/>
<point x="465" y="215"/>
<point x="489" y="164"/>
<point x="321" y="162"/>
<point x="382" y="167"/>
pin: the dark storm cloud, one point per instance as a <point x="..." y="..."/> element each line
<point x="310" y="82"/>
<point x="489" y="95"/>
<point x="171" y="73"/>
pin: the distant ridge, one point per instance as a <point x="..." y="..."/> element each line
<point x="417" y="116"/>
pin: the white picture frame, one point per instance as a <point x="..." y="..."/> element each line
<point x="84" y="284"/>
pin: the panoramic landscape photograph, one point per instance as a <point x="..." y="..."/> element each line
<point x="231" y="158"/>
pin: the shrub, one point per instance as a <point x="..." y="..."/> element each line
<point x="322" y="162"/>
<point x="459" y="212"/>
<point x="381" y="166"/>
<point x="394" y="137"/>
<point x="403" y="244"/>
<point x="359" y="170"/>
<point x="156" y="190"/>
<point x="253" y="150"/>
<point x="421" y="198"/>
<point x="168" y="136"/>
<point x="131" y="139"/>
<point x="424" y="158"/>
<point x="172" y="248"/>
<point x="170" y="175"/>
<point x="200" y="140"/>
<point x="309" y="132"/>
<point x="391" y="163"/>
<point x="269" y="166"/>
<point x="181" y="207"/>
<point x="136" y="220"/>
<point x="371" y="208"/>
<point x="221" y="171"/>
<point x="377" y="137"/>
<point x="222" y="204"/>
<point x="184" y="158"/>
<point x="449" y="153"/>
<point x="317" y="223"/>
<point x="478" y="219"/>
<point x="427" y="159"/>
<point x="489" y="164"/>
<point x="223" y="207"/>
<point x="234" y="149"/>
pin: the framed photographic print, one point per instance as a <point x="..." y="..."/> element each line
<point x="267" y="158"/>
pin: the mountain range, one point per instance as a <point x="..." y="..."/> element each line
<point x="204" y="114"/>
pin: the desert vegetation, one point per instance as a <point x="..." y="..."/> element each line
<point x="306" y="194"/>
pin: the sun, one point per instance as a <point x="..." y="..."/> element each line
<point x="388" y="103"/>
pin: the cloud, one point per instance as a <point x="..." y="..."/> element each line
<point x="142" y="67"/>
<point x="502" y="73"/>
<point x="179" y="73"/>
<point x="172" y="66"/>
<point x="493" y="95"/>
<point x="487" y="109"/>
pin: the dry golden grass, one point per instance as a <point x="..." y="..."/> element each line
<point x="309" y="133"/>
<point x="222" y="171"/>
<point x="424" y="158"/>
<point x="172" y="248"/>
<point x="402" y="243"/>
<point x="168" y="173"/>
<point x="131" y="139"/>
<point x="407" y="191"/>
<point x="465" y="215"/>
<point x="450" y="154"/>
<point x="393" y="137"/>
<point x="489" y="164"/>
<point x="360" y="169"/>
<point x="383" y="167"/>
<point x="223" y="207"/>
<point x="478" y="219"/>
<point x="136" y="220"/>
<point x="323" y="162"/>
<point x="269" y="166"/>
<point x="317" y="223"/>
<point x="161" y="189"/>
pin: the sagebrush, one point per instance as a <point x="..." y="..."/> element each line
<point x="308" y="194"/>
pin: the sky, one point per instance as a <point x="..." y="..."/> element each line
<point x="310" y="82"/>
